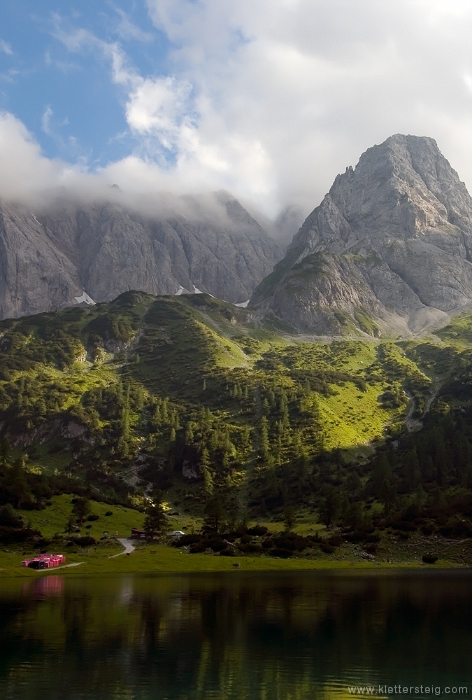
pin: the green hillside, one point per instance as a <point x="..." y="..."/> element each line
<point x="190" y="395"/>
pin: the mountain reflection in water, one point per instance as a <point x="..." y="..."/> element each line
<point x="239" y="636"/>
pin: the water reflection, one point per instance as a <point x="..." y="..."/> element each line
<point x="228" y="637"/>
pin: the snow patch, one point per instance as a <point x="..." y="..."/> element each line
<point x="84" y="298"/>
<point x="242" y="304"/>
<point x="38" y="222"/>
<point x="196" y="290"/>
<point x="180" y="291"/>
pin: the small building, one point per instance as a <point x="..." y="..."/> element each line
<point x="44" y="561"/>
<point x="137" y="534"/>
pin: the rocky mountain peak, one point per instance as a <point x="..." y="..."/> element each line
<point x="67" y="248"/>
<point x="401" y="221"/>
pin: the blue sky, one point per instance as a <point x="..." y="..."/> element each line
<point x="268" y="99"/>
<point x="67" y="98"/>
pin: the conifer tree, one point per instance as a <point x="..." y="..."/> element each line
<point x="156" y="521"/>
<point x="264" y="445"/>
<point x="206" y="471"/>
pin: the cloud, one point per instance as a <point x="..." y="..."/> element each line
<point x="315" y="84"/>
<point x="126" y="29"/>
<point x="46" y="120"/>
<point x="270" y="99"/>
<point x="5" y="47"/>
<point x="24" y="171"/>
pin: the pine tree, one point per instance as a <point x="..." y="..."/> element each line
<point x="18" y="488"/>
<point x="206" y="471"/>
<point x="264" y="445"/>
<point x="289" y="518"/>
<point x="4" y="450"/>
<point x="214" y="514"/>
<point x="81" y="509"/>
<point x="156" y="521"/>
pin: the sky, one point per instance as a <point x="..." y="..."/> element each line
<point x="268" y="99"/>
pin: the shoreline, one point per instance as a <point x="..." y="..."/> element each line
<point x="160" y="559"/>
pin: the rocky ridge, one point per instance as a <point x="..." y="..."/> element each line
<point x="389" y="249"/>
<point x="68" y="252"/>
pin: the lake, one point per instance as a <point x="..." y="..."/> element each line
<point x="236" y="636"/>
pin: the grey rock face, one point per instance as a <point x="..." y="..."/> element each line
<point x="47" y="259"/>
<point x="393" y="241"/>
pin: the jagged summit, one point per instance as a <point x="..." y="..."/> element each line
<point x="390" y="246"/>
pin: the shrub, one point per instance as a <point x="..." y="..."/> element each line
<point x="215" y="543"/>
<point x="197" y="548"/>
<point x="258" y="530"/>
<point x="284" y="543"/>
<point x="85" y="541"/>
<point x="429" y="559"/>
<point x="456" y="526"/>
<point x="251" y="548"/>
<point x="228" y="552"/>
<point x="428" y="529"/>
<point x="327" y="548"/>
<point x="9" y="518"/>
<point x="281" y="552"/>
<point x="10" y="535"/>
<point x="92" y="517"/>
<point x="185" y="540"/>
<point x="109" y="512"/>
<point x="335" y="541"/>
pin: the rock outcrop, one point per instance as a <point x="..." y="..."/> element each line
<point x="68" y="252"/>
<point x="388" y="249"/>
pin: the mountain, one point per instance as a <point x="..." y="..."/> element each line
<point x="389" y="249"/>
<point x="67" y="251"/>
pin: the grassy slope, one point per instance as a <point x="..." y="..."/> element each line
<point x="182" y="340"/>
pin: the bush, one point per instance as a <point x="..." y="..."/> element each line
<point x="92" y="517"/>
<point x="284" y="543"/>
<point x="281" y="552"/>
<point x="217" y="544"/>
<point x="185" y="540"/>
<point x="258" y="530"/>
<point x="9" y="518"/>
<point x="251" y="548"/>
<point x="456" y="526"/>
<point x="429" y="559"/>
<point x="10" y="535"/>
<point x="85" y="541"/>
<point x="197" y="548"/>
<point x="335" y="541"/>
<point x="109" y="512"/>
<point x="428" y="529"/>
<point x="327" y="548"/>
<point x="228" y="552"/>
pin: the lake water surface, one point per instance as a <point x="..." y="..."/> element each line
<point x="237" y="636"/>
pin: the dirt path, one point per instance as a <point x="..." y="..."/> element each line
<point x="128" y="548"/>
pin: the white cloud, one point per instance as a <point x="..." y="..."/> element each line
<point x="46" y="120"/>
<point x="126" y="29"/>
<point x="5" y="47"/>
<point x="270" y="99"/>
<point x="24" y="171"/>
<point x="157" y="105"/>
